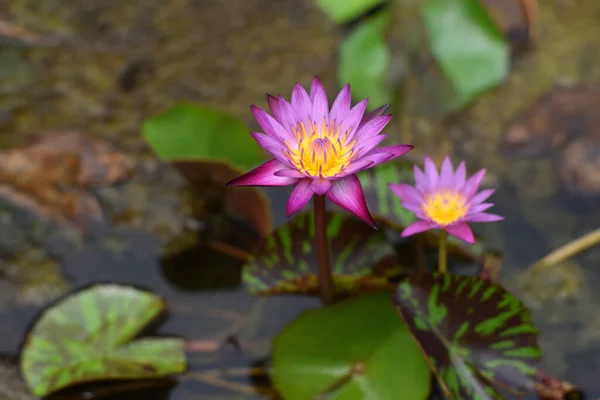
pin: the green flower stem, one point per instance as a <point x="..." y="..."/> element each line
<point x="442" y="252"/>
<point x="322" y="247"/>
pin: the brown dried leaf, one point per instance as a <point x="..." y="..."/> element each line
<point x="15" y="34"/>
<point x="551" y="388"/>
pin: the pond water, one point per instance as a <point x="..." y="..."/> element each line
<point x="149" y="240"/>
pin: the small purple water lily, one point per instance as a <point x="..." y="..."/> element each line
<point x="320" y="150"/>
<point x="446" y="200"/>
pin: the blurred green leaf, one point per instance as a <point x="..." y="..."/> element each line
<point x="475" y="334"/>
<point x="364" y="60"/>
<point x="467" y="44"/>
<point x="189" y="132"/>
<point x="285" y="262"/>
<point x="354" y="350"/>
<point x="88" y="337"/>
<point x="342" y="11"/>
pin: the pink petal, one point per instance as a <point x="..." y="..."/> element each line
<point x="289" y="117"/>
<point x="376" y="157"/>
<point x="272" y="127"/>
<point x="420" y="179"/>
<point x="406" y="192"/>
<point x="341" y="105"/>
<point x="430" y="173"/>
<point x="373" y="127"/>
<point x="268" y="141"/>
<point x="416" y="227"/>
<point x="446" y="172"/>
<point x="460" y="175"/>
<point x="348" y="194"/>
<point x="320" y="106"/>
<point x="263" y="175"/>
<point x="461" y="231"/>
<point x="479" y="208"/>
<point x="299" y="197"/>
<point x="482" y="196"/>
<point x="472" y="185"/>
<point x="366" y="145"/>
<point x="301" y="101"/>
<point x="485" y="217"/>
<point x="290" y="173"/>
<point x="320" y="186"/>
<point x="349" y="125"/>
<point x="396" y="150"/>
<point x="375" y="113"/>
<point x="273" y="106"/>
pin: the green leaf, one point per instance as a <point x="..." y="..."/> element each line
<point x="88" y="337"/>
<point x="193" y="133"/>
<point x="474" y="333"/>
<point x="466" y="43"/>
<point x="342" y="11"/>
<point x="285" y="262"/>
<point x="354" y="350"/>
<point x="364" y="61"/>
<point x="386" y="206"/>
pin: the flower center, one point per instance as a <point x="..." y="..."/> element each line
<point x="321" y="151"/>
<point x="445" y="207"/>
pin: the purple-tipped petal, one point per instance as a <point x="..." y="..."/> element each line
<point x="299" y="197"/>
<point x="320" y="106"/>
<point x="272" y="127"/>
<point x="472" y="185"/>
<point x="273" y="106"/>
<point x="396" y="150"/>
<point x="290" y="173"/>
<point x="268" y="141"/>
<point x="301" y="101"/>
<point x="485" y="217"/>
<point x="263" y="175"/>
<point x="341" y="105"/>
<point x="479" y="208"/>
<point x="349" y="125"/>
<point x="482" y="196"/>
<point x="375" y="113"/>
<point x="348" y="194"/>
<point x="420" y="179"/>
<point x="289" y="116"/>
<point x="446" y="173"/>
<point x="406" y="192"/>
<point x="461" y="231"/>
<point x="416" y="227"/>
<point x="365" y="146"/>
<point x="320" y="186"/>
<point x="373" y="127"/>
<point x="357" y="166"/>
<point x="460" y="175"/>
<point x="430" y="172"/>
<point x="376" y="157"/>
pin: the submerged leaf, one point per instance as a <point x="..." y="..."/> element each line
<point x="467" y="45"/>
<point x="475" y="334"/>
<point x="356" y="349"/>
<point x="196" y="133"/>
<point x="367" y="42"/>
<point x="285" y="262"/>
<point x="88" y="337"/>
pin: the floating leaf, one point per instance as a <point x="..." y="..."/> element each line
<point x="474" y="333"/>
<point x="467" y="45"/>
<point x="88" y="337"/>
<point x="191" y="132"/>
<point x="285" y="262"/>
<point x="368" y="79"/>
<point x="342" y="11"/>
<point x="356" y="349"/>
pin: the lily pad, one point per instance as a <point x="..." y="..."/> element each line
<point x="367" y="42"/>
<point x="189" y="132"/>
<point x="285" y="262"/>
<point x="353" y="350"/>
<point x="88" y="337"/>
<point x="476" y="336"/>
<point x="342" y="11"/>
<point x="467" y="44"/>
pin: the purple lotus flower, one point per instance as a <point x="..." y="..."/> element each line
<point x="445" y="201"/>
<point x="318" y="150"/>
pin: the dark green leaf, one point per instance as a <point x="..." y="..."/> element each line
<point x="342" y="11"/>
<point x="285" y="262"/>
<point x="365" y="59"/>
<point x="88" y="337"/>
<point x="356" y="349"/>
<point x="474" y="333"/>
<point x="467" y="45"/>
<point x="386" y="206"/>
<point x="194" y="133"/>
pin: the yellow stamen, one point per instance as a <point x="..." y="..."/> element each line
<point x="445" y="206"/>
<point x="322" y="151"/>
